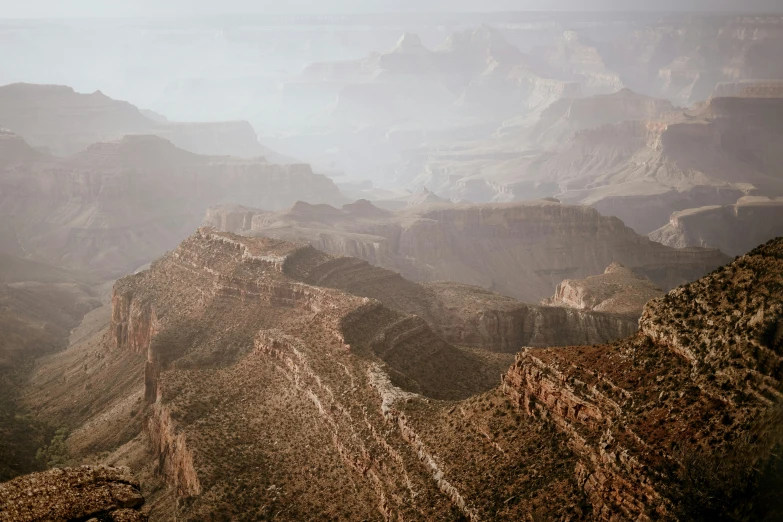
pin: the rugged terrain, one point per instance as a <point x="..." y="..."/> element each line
<point x="618" y="290"/>
<point x="678" y="421"/>
<point x="733" y="229"/>
<point x="119" y="204"/>
<point x="523" y="250"/>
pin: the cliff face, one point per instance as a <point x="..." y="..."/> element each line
<point x="523" y="250"/>
<point x="702" y="373"/>
<point x="118" y="205"/>
<point x="734" y="229"/>
<point x="85" y="493"/>
<point x="618" y="290"/>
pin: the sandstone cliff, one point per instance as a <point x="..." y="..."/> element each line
<point x="523" y="250"/>
<point x="734" y="229"/>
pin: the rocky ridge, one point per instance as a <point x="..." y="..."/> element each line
<point x="702" y="374"/>
<point x="242" y="333"/>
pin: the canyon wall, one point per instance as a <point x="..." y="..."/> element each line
<point x="523" y="250"/>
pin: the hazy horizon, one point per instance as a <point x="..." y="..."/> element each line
<point x="42" y="9"/>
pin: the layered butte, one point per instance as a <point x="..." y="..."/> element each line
<point x="618" y="290"/>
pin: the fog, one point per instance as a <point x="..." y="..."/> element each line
<point x="147" y="8"/>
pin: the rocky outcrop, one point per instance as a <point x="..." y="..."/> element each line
<point x="523" y="250"/>
<point x="73" y="494"/>
<point x="734" y="229"/>
<point x="618" y="290"/>
<point x="621" y="417"/>
<point x="118" y="205"/>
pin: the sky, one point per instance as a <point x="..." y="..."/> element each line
<point x="136" y="8"/>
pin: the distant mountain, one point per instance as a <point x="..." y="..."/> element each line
<point x="57" y="120"/>
<point x="117" y="205"/>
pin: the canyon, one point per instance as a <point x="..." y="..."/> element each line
<point x="398" y="418"/>
<point x="504" y="266"/>
<point x="637" y="168"/>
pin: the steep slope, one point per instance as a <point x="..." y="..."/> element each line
<point x="618" y="290"/>
<point x="117" y="205"/>
<point x="523" y="250"/>
<point x="39" y="305"/>
<point x="734" y="229"/>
